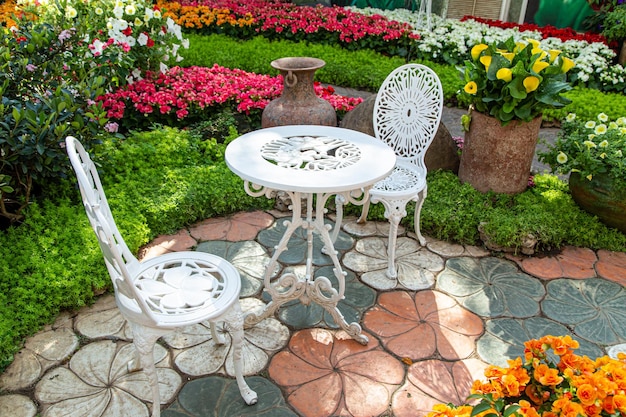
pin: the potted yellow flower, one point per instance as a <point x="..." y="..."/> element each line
<point x="507" y="87"/>
<point x="537" y="386"/>
<point x="593" y="152"/>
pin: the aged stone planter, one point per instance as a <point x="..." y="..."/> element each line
<point x="600" y="197"/>
<point x="298" y="104"/>
<point x="498" y="158"/>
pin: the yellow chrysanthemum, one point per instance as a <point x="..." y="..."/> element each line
<point x="471" y="87"/>
<point x="539" y="66"/>
<point x="486" y="61"/>
<point x="561" y="158"/>
<point x="504" y="74"/>
<point x="531" y="83"/>
<point x="554" y="53"/>
<point x="477" y="50"/>
<point x="567" y="64"/>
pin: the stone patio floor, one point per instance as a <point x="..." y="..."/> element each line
<point x="452" y="311"/>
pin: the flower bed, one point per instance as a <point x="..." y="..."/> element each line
<point x="182" y="93"/>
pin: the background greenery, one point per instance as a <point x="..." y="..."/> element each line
<point x="163" y="179"/>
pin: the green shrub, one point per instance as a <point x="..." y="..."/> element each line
<point x="587" y="103"/>
<point x="454" y="211"/>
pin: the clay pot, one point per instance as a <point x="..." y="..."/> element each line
<point x="600" y="197"/>
<point x="298" y="104"/>
<point x="498" y="158"/>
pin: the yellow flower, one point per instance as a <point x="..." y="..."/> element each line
<point x="604" y="143"/>
<point x="534" y="42"/>
<point x="561" y="158"/>
<point x="590" y="124"/>
<point x="531" y="83"/>
<point x="508" y="55"/>
<point x="486" y="61"/>
<point x="99" y="11"/>
<point x="571" y="117"/>
<point x="600" y="129"/>
<point x="589" y="177"/>
<point x="589" y="144"/>
<point x="603" y="117"/>
<point x="603" y="155"/>
<point x="567" y="64"/>
<point x="471" y="87"/>
<point x="621" y="121"/>
<point x="70" y="12"/>
<point x="613" y="125"/>
<point x="519" y="46"/>
<point x="538" y="66"/>
<point x="504" y="74"/>
<point x="554" y="53"/>
<point x="477" y="50"/>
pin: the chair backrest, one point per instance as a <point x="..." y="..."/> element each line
<point x="117" y="255"/>
<point x="407" y="111"/>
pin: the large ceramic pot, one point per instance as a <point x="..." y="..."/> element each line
<point x="298" y="104"/>
<point x="498" y="158"/>
<point x="600" y="197"/>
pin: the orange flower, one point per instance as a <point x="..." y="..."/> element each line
<point x="619" y="401"/>
<point x="608" y="405"/>
<point x="527" y="409"/>
<point x="547" y="376"/>
<point x="534" y="396"/>
<point x="587" y="394"/>
<point x="511" y="386"/>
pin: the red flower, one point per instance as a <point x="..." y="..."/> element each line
<point x="128" y="31"/>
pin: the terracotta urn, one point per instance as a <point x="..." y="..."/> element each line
<point x="298" y="104"/>
<point x="498" y="158"/>
<point x="601" y="198"/>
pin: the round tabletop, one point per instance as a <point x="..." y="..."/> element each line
<point x="310" y="158"/>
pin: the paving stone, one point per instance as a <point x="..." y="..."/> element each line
<point x="446" y="249"/>
<point x="241" y="226"/>
<point x="177" y="242"/>
<point x="15" y="405"/>
<point x="593" y="308"/>
<point x="546" y="268"/>
<point x="612" y="265"/>
<point x="577" y="262"/>
<point x="491" y="287"/>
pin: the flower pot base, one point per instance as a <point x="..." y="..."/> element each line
<point x="599" y="197"/>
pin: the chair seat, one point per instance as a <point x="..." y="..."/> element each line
<point x="402" y="180"/>
<point x="182" y="288"/>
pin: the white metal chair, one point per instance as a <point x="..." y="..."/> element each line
<point x="164" y="293"/>
<point x="407" y="113"/>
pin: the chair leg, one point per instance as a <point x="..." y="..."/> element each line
<point x="416" y="217"/>
<point x="234" y="323"/>
<point x="392" y="273"/>
<point x="144" y="339"/>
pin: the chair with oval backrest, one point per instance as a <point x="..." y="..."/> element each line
<point x="164" y="293"/>
<point x="407" y="113"/>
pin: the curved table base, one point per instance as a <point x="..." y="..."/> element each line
<point x="309" y="289"/>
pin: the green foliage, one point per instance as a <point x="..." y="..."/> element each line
<point x="46" y="266"/>
<point x="585" y="104"/>
<point x="614" y="24"/>
<point x="453" y="211"/>
<point x="362" y="69"/>
<point x="39" y="108"/>
<point x="172" y="178"/>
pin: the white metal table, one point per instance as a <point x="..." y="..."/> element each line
<point x="310" y="163"/>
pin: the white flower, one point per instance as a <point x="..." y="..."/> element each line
<point x="600" y="129"/>
<point x="157" y="14"/>
<point x="590" y="124"/>
<point x="99" y="11"/>
<point x="561" y="158"/>
<point x="603" y="117"/>
<point x="163" y="68"/>
<point x="130" y="9"/>
<point x="142" y="39"/>
<point x="118" y="12"/>
<point x="70" y="12"/>
<point x="571" y="117"/>
<point x="604" y="143"/>
<point x="589" y="144"/>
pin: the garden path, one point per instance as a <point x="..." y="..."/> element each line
<point x="452" y="310"/>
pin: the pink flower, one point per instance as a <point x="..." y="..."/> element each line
<point x="111" y="127"/>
